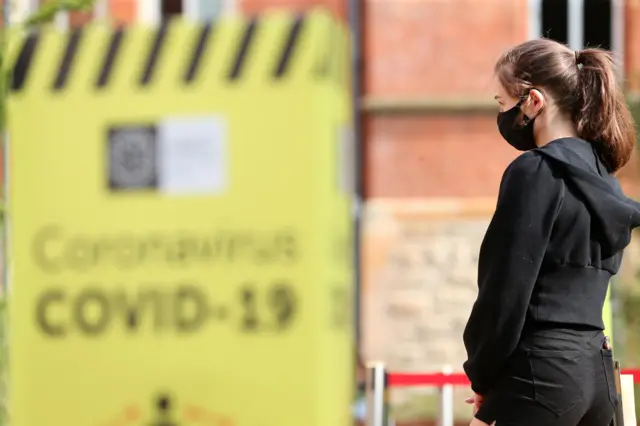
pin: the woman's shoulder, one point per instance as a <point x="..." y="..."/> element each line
<point x="530" y="179"/>
<point x="529" y="165"/>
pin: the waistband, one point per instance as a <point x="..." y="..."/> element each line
<point x="563" y="339"/>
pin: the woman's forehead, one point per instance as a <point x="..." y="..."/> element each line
<point x="498" y="90"/>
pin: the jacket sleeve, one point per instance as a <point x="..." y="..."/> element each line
<point x="510" y="258"/>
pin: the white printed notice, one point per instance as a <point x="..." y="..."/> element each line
<point x="192" y="156"/>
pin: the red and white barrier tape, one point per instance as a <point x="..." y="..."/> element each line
<point x="401" y="380"/>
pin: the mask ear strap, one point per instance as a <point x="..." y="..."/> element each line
<point x="523" y="98"/>
<point x="526" y="119"/>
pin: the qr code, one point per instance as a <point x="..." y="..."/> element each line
<point x="132" y="155"/>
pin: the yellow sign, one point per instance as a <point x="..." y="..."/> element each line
<point x="180" y="225"/>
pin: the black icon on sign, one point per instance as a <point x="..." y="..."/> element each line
<point x="163" y="412"/>
<point x="132" y="158"/>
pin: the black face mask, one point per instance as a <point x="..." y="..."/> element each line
<point x="519" y="135"/>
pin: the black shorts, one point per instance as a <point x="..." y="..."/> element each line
<point x="555" y="378"/>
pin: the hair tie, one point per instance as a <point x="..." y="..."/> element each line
<point x="578" y="64"/>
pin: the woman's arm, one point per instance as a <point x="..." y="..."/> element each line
<point x="510" y="258"/>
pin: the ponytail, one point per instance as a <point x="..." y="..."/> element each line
<point x="601" y="113"/>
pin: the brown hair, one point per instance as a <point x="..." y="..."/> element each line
<point x="583" y="85"/>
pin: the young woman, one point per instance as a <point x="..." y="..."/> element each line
<point x="536" y="351"/>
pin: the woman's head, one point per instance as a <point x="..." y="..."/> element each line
<point x="547" y="91"/>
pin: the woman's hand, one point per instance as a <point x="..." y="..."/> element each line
<point x="476" y="400"/>
<point x="476" y="422"/>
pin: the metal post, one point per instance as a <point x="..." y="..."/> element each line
<point x="446" y="400"/>
<point x="628" y="399"/>
<point x="376" y="394"/>
<point x="354" y="14"/>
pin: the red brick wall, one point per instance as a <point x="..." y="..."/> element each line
<point x="437" y="47"/>
<point x="123" y="10"/>
<point x="632" y="41"/>
<point x="79" y="18"/>
<point x="120" y="11"/>
<point x="434" y="156"/>
<point x="337" y="7"/>
<point x="446" y="49"/>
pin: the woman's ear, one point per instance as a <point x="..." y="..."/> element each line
<point x="535" y="103"/>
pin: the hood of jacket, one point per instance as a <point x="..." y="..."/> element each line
<point x="615" y="214"/>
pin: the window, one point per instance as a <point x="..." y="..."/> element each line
<point x="170" y="8"/>
<point x="597" y="28"/>
<point x="555" y="20"/>
<point x="579" y="23"/>
<point x="154" y="10"/>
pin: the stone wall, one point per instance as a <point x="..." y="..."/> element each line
<point x="419" y="281"/>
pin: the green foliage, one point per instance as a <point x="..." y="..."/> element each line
<point x="48" y="11"/>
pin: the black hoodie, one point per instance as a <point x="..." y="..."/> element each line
<point x="554" y="242"/>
